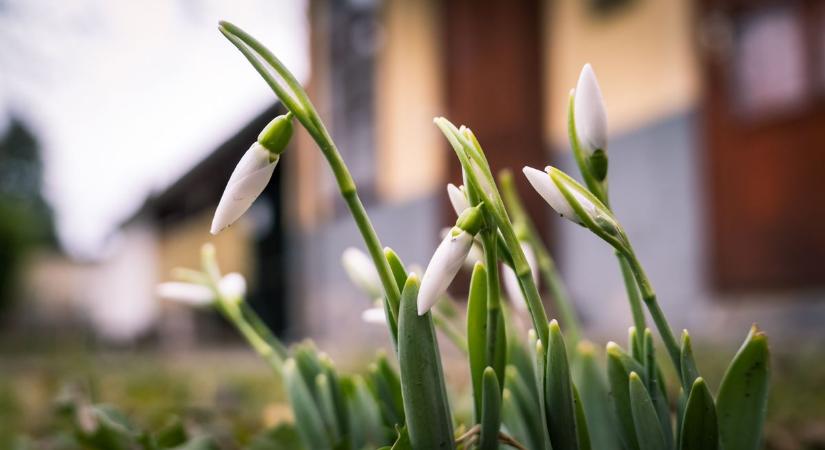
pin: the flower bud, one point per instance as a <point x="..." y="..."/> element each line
<point x="276" y="134"/>
<point x="511" y="283"/>
<point x="470" y="220"/>
<point x="443" y="267"/>
<point x="458" y="198"/>
<point x="548" y="190"/>
<point x="246" y="183"/>
<point x="589" y="113"/>
<point x="362" y="272"/>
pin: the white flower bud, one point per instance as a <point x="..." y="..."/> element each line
<point x="589" y="113"/>
<point x="186" y="293"/>
<point x="374" y="315"/>
<point x="511" y="283"/>
<point x="246" y="183"/>
<point x="232" y="287"/>
<point x="548" y="190"/>
<point x="362" y="272"/>
<point x="443" y="267"/>
<point x="457" y="198"/>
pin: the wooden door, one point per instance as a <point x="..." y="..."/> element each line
<point x="764" y="112"/>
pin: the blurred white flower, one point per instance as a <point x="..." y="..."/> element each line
<point x="246" y="183"/>
<point x="511" y="284"/>
<point x="443" y="266"/>
<point x="232" y="288"/>
<point x="362" y="272"/>
<point x="589" y="112"/>
<point x="458" y="198"/>
<point x="374" y="315"/>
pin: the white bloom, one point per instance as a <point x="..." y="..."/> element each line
<point x="374" y="315"/>
<point x="232" y="288"/>
<point x="362" y="272"/>
<point x="475" y="254"/>
<point x="443" y="267"/>
<point x="187" y="293"/>
<point x="246" y="183"/>
<point x="511" y="284"/>
<point x="457" y="198"/>
<point x="548" y="190"/>
<point x="589" y="112"/>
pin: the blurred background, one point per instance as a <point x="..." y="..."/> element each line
<point x="120" y="123"/>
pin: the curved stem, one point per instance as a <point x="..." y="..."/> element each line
<point x="634" y="299"/>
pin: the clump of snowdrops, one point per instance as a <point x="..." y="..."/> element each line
<point x="543" y="389"/>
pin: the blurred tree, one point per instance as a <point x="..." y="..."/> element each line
<point x="25" y="216"/>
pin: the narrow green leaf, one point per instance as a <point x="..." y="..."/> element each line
<point x="326" y="405"/>
<point x="681" y="404"/>
<point x="477" y="332"/>
<point x="700" y="430"/>
<point x="429" y="422"/>
<point x="514" y="421"/>
<point x="490" y="411"/>
<point x="520" y="357"/>
<point x="528" y="404"/>
<point x="399" y="272"/>
<point x="743" y="395"/>
<point x="561" y="413"/>
<point x="617" y="375"/>
<point x="595" y="400"/>
<point x="307" y="417"/>
<point x="645" y="421"/>
<point x="388" y="390"/>
<point x="541" y="375"/>
<point x="369" y="414"/>
<point x="307" y="363"/>
<point x="338" y="399"/>
<point x="656" y="388"/>
<point x="581" y="421"/>
<point x="689" y="372"/>
<point x="634" y="343"/>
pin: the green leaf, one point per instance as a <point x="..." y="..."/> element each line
<point x="581" y="421"/>
<point x="645" y="421"/>
<point x="595" y="399"/>
<point x="388" y="391"/>
<point x="681" y="404"/>
<point x="429" y="422"/>
<point x="326" y="405"/>
<point x="477" y="332"/>
<point x="307" y="417"/>
<point x="306" y="360"/>
<point x="514" y="421"/>
<point x="656" y="388"/>
<point x="541" y="362"/>
<point x="528" y="405"/>
<point x="490" y="411"/>
<point x="172" y="434"/>
<point x="366" y="414"/>
<point x="688" y="371"/>
<point x="399" y="272"/>
<point x="561" y="413"/>
<point x="338" y="401"/>
<point x="617" y="375"/>
<point x="743" y="395"/>
<point x="700" y="430"/>
<point x="634" y="344"/>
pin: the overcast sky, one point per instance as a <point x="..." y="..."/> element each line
<point x="126" y="96"/>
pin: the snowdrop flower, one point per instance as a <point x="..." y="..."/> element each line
<point x="252" y="173"/>
<point x="589" y="113"/>
<point x="548" y="190"/>
<point x="362" y="272"/>
<point x="374" y="315"/>
<point x="457" y="198"/>
<point x="448" y="259"/>
<point x="511" y="283"/>
<point x="232" y="288"/>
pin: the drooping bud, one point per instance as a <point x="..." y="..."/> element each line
<point x="362" y="272"/>
<point x="253" y="172"/>
<point x="443" y="267"/>
<point x="458" y="198"/>
<point x="511" y="282"/>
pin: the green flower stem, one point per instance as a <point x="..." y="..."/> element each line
<point x="263" y="330"/>
<point x="488" y="240"/>
<point x="547" y="266"/>
<point x="649" y="297"/>
<point x="633" y="297"/>
<point x="296" y="100"/>
<point x="232" y="311"/>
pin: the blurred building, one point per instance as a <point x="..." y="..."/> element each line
<point x="717" y="121"/>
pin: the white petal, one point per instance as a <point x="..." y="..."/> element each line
<point x="232" y="286"/>
<point x="362" y="271"/>
<point x="589" y="112"/>
<point x="374" y="315"/>
<point x="548" y="190"/>
<point x="511" y="284"/>
<point x="187" y="293"/>
<point x="248" y="180"/>
<point x="443" y="267"/>
<point x="475" y="254"/>
<point x="457" y="198"/>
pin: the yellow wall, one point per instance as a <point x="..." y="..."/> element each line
<point x="643" y="57"/>
<point x="411" y="151"/>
